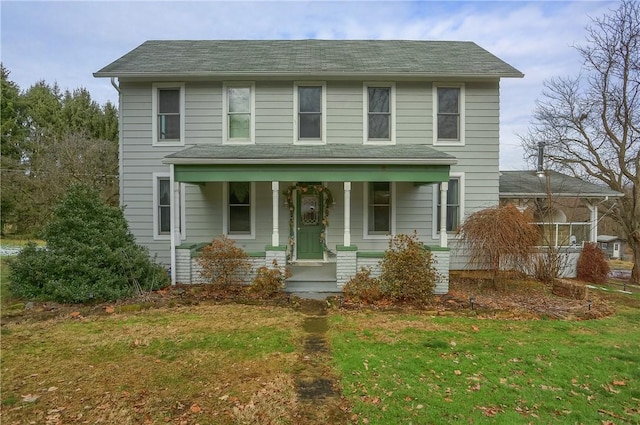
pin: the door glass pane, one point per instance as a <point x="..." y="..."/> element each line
<point x="309" y="210"/>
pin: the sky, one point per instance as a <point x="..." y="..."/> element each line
<point x="65" y="42"/>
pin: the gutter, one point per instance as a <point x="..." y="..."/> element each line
<point x="244" y="74"/>
<point x="120" y="144"/>
<point x="305" y="161"/>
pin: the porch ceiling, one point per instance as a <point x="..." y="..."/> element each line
<point x="407" y="163"/>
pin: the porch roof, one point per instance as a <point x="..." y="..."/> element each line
<point x="333" y="162"/>
<point x="528" y="184"/>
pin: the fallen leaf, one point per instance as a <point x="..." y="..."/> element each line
<point x="75" y="314"/>
<point x="195" y="408"/>
<point x="29" y="398"/>
<point x="110" y="309"/>
<point x="619" y="383"/>
<point x="457" y="372"/>
<point x="475" y="328"/>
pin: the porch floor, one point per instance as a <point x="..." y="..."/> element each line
<point x="312" y="280"/>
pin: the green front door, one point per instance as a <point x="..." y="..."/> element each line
<point x="310" y="227"/>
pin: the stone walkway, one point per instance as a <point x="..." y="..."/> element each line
<point x="318" y="391"/>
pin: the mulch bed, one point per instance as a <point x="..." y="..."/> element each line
<point x="509" y="298"/>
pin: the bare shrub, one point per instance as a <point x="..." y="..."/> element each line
<point x="407" y="275"/>
<point x="269" y="281"/>
<point x="549" y="264"/>
<point x="363" y="287"/>
<point x="223" y="263"/>
<point x="407" y="272"/>
<point x="500" y="236"/>
<point x="592" y="264"/>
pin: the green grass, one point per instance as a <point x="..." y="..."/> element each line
<point x="152" y="365"/>
<point x="461" y="370"/>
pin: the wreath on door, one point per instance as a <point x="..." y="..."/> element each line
<point x="327" y="198"/>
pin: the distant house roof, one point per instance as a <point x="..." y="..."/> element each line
<point x="528" y="184"/>
<point x="338" y="58"/>
<point x="311" y="154"/>
<point x="609" y="238"/>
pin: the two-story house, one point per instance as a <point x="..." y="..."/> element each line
<point x="309" y="152"/>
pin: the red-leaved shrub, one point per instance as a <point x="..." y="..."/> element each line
<point x="592" y="264"/>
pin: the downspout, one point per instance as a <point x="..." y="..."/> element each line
<point x="120" y="144"/>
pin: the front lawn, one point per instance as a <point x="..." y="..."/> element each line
<point x="413" y="368"/>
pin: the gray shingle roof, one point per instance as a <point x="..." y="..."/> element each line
<point x="527" y="184"/>
<point x="308" y="57"/>
<point x="318" y="154"/>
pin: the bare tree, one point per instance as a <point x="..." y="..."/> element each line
<point x="590" y="123"/>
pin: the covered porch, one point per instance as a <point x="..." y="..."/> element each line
<point x="566" y="209"/>
<point x="325" y="211"/>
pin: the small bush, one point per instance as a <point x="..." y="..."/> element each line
<point x="223" y="262"/>
<point x="407" y="275"/>
<point x="90" y="255"/>
<point x="592" y="264"/>
<point x="269" y="281"/>
<point x="363" y="287"/>
<point x="407" y="272"/>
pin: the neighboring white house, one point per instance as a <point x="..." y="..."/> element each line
<point x="306" y="151"/>
<point x="552" y="197"/>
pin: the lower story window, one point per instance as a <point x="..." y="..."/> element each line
<point x="239" y="208"/>
<point x="379" y="208"/>
<point x="164" y="206"/>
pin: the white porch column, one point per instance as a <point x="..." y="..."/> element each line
<point x="444" y="187"/>
<point x="175" y="223"/>
<point x="593" y="219"/>
<point x="275" y="236"/>
<point x="347" y="214"/>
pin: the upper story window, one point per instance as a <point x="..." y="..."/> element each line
<point x="379" y="104"/>
<point x="239" y="113"/>
<point x="168" y="114"/>
<point x="379" y="209"/>
<point x="310" y="101"/>
<point x="239" y="202"/>
<point x="449" y="114"/>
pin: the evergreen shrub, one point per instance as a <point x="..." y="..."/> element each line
<point x="90" y="255"/>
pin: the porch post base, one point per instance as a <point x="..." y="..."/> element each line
<point x="346" y="264"/>
<point x="276" y="253"/>
<point x="441" y="257"/>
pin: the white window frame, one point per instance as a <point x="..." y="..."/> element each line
<point x="225" y="213"/>
<point x="225" y="113"/>
<point x="436" y="198"/>
<point x="155" y="87"/>
<point x="365" y="113"/>
<point x="157" y="236"/>
<point x="323" y="110"/>
<point x="461" y="105"/>
<point x="365" y="214"/>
